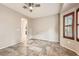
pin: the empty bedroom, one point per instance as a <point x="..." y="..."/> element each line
<point x="39" y="29"/>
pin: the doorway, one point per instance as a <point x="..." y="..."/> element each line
<point x="24" y="30"/>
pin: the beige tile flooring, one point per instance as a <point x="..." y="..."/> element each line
<point x="37" y="48"/>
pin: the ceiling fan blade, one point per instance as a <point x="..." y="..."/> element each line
<point x="26" y="3"/>
<point x="29" y="4"/>
<point x="32" y="4"/>
<point x="24" y="7"/>
<point x="37" y="5"/>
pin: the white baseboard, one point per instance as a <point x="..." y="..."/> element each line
<point x="70" y="49"/>
<point x="12" y="44"/>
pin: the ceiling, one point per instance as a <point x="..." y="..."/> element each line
<point x="67" y="6"/>
<point x="45" y="9"/>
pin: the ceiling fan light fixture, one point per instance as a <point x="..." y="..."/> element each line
<point x="31" y="7"/>
<point x="30" y="10"/>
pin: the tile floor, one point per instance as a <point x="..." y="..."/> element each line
<point x="37" y="48"/>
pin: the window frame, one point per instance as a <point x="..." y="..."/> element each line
<point x="72" y="13"/>
<point x="77" y="24"/>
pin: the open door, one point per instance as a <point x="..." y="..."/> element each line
<point x="24" y="31"/>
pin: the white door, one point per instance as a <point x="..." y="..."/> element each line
<point x="24" y="31"/>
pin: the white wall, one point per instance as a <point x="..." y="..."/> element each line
<point x="10" y="27"/>
<point x="45" y="28"/>
<point x="68" y="43"/>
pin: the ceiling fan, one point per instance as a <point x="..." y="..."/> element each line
<point x="30" y="6"/>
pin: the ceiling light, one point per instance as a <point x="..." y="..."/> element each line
<point x="30" y="6"/>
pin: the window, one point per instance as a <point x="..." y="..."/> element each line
<point x="68" y="26"/>
<point x="77" y="24"/>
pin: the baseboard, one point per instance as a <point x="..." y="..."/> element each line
<point x="70" y="49"/>
<point x="45" y="40"/>
<point x="10" y="45"/>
